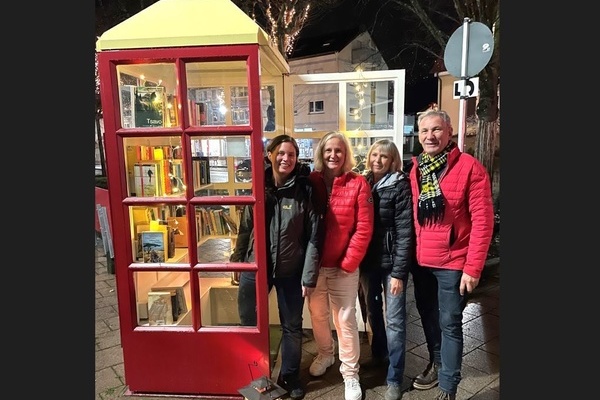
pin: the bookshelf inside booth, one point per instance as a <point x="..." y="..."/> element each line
<point x="218" y="105"/>
<point x="154" y="166"/>
<point x="216" y="235"/>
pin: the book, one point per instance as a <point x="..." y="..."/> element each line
<point x="154" y="246"/>
<point x="127" y="95"/>
<point x="147" y="178"/>
<point x="216" y="219"/>
<point x="131" y="157"/>
<point x="201" y="113"/>
<point x="166" y="184"/>
<point x="230" y="222"/>
<point x="171" y="118"/>
<point x="176" y="288"/>
<point x="149" y="106"/>
<point x="201" y="171"/>
<point x="160" y="308"/>
<point x="171" y="243"/>
<point x="140" y="215"/>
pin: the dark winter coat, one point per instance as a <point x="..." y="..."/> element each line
<point x="392" y="243"/>
<point x="292" y="226"/>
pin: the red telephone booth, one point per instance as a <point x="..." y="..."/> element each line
<point x="185" y="87"/>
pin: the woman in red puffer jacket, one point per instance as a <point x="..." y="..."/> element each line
<point x="347" y="201"/>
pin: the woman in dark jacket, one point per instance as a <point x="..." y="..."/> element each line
<point x="292" y="253"/>
<point x="386" y="265"/>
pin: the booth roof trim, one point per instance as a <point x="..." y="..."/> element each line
<point x="177" y="23"/>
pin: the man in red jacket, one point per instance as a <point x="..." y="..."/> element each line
<point x="454" y="222"/>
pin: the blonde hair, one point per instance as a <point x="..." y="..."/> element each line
<point x="390" y="148"/>
<point x="349" y="162"/>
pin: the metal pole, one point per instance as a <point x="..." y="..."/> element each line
<point x="462" y="116"/>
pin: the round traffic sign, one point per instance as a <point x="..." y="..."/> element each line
<point x="480" y="46"/>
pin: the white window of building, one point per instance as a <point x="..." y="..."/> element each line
<point x="315" y="107"/>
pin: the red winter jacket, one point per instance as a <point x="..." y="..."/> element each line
<point x="348" y="219"/>
<point x="461" y="241"/>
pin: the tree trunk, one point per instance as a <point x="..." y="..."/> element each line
<point x="485" y="147"/>
<point x="488" y="128"/>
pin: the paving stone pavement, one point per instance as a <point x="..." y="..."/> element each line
<point x="481" y="355"/>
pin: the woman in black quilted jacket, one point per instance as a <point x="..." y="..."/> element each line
<point x="384" y="270"/>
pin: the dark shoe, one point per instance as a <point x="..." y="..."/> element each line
<point x="441" y="395"/>
<point x="293" y="387"/>
<point x="393" y="392"/>
<point x="427" y="379"/>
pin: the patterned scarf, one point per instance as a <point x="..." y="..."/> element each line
<point x="431" y="202"/>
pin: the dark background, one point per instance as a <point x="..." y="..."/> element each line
<point x="393" y="32"/>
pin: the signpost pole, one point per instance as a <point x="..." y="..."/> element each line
<point x="473" y="44"/>
<point x="462" y="111"/>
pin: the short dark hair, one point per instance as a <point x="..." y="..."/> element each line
<point x="277" y="140"/>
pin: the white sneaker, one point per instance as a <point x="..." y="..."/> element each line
<point x="320" y="365"/>
<point x="353" y="391"/>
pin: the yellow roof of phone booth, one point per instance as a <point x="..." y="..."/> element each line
<point x="181" y="23"/>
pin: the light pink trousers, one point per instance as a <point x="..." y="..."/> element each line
<point x="336" y="289"/>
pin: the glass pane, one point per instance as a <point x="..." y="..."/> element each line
<point x="207" y="106"/>
<point x="243" y="169"/>
<point x="163" y="298"/>
<point x="215" y="165"/>
<point x="217" y="229"/>
<point x="307" y="148"/>
<point x="221" y="302"/>
<point x="154" y="166"/>
<point x="267" y="105"/>
<point x="159" y="234"/>
<point x="148" y="95"/>
<point x="243" y="192"/>
<point x="240" y="113"/>
<point x="316" y="107"/>
<point x="369" y="105"/>
<point x="210" y="101"/>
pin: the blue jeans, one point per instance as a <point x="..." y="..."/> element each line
<point x="290" y="303"/>
<point x="389" y="336"/>
<point x="440" y="306"/>
<point x="247" y="298"/>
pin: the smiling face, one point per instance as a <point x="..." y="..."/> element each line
<point x="434" y="134"/>
<point x="334" y="156"/>
<point x="283" y="159"/>
<point x="380" y="162"/>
